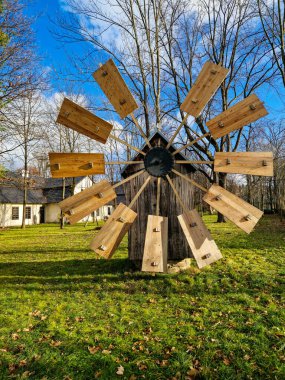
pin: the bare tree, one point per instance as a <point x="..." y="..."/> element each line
<point x="272" y="18"/>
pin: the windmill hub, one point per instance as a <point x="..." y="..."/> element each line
<point x="158" y="162"/>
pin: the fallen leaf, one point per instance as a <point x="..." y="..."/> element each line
<point x="120" y="370"/>
<point x="106" y="352"/>
<point x="246" y="357"/>
<point x="133" y="377"/>
<point x="79" y="319"/>
<point x="98" y="374"/>
<point x="192" y="373"/>
<point x="15" y="336"/>
<point x="22" y="363"/>
<point x="226" y="361"/>
<point x="55" y="343"/>
<point x="93" y="349"/>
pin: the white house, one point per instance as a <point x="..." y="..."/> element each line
<point x="42" y="200"/>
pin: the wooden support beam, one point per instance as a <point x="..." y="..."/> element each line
<point x="76" y="164"/>
<point x="243" y="113"/>
<point x="107" y="240"/>
<point x="73" y="116"/>
<point x="158" y="195"/>
<point x="251" y="163"/>
<point x="127" y="144"/>
<point x="124" y="162"/>
<point x="243" y="214"/>
<point x="82" y="204"/>
<point x="139" y="192"/>
<point x="114" y="87"/>
<point x="190" y="180"/>
<point x="194" y="162"/>
<point x="204" y="88"/>
<point x="177" y="131"/>
<point x="129" y="178"/>
<point x="201" y="243"/>
<point x="191" y="143"/>
<point x="176" y="193"/>
<point x="156" y="243"/>
<point x="140" y="130"/>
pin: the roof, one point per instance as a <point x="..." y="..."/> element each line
<point x="48" y="190"/>
<point x="172" y="148"/>
<point x="16" y="195"/>
<point x="41" y="190"/>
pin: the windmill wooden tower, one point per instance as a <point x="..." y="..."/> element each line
<point x="159" y="165"/>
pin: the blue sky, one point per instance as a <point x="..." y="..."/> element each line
<point x="55" y="55"/>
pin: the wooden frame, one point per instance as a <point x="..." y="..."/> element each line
<point x="203" y="246"/>
<point x="156" y="244"/>
<point x="76" y="164"/>
<point x="73" y="116"/>
<point x="251" y="163"/>
<point x="208" y="81"/>
<point x="111" y="234"/>
<point x="114" y="87"/>
<point x="241" y="213"/>
<point x="82" y="204"/>
<point x="243" y="113"/>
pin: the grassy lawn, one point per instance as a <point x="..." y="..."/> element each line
<point x="65" y="314"/>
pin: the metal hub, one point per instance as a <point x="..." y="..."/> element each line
<point x="158" y="162"/>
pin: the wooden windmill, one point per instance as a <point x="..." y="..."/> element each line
<point x="159" y="164"/>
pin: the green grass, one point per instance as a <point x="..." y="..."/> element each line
<point x="65" y="314"/>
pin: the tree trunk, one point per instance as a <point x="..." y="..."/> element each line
<point x="63" y="196"/>
<point x="222" y="183"/>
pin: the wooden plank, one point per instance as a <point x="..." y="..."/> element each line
<point x="114" y="87"/>
<point x="253" y="163"/>
<point x="76" y="164"/>
<point x="155" y="248"/>
<point x="82" y="204"/>
<point x="203" y="246"/>
<point x="204" y="88"/>
<point x="243" y="113"/>
<point x="73" y="116"/>
<point x="243" y="214"/>
<point x="111" y="234"/>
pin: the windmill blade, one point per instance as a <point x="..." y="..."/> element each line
<point x="114" y="87"/>
<point x="241" y="213"/>
<point x="111" y="234"/>
<point x="204" y="88"/>
<point x="156" y="243"/>
<point x="82" y="204"/>
<point x="201" y="243"/>
<point x="73" y="116"/>
<point x="245" y="112"/>
<point x="199" y="239"/>
<point x="76" y="164"/>
<point x="252" y="163"/>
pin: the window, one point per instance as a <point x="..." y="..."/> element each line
<point x="109" y="211"/>
<point x="15" y="213"/>
<point x="28" y="213"/>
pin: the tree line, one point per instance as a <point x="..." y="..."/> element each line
<point x="160" y="47"/>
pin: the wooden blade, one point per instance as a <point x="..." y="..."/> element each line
<point x="241" y="213"/>
<point x="76" y="164"/>
<point x="111" y="234"/>
<point x="201" y="243"/>
<point x="253" y="163"/>
<point x="245" y="112"/>
<point x="82" y="204"/>
<point x="114" y="87"/>
<point x="73" y="116"/>
<point x="204" y="88"/>
<point x="156" y="242"/>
